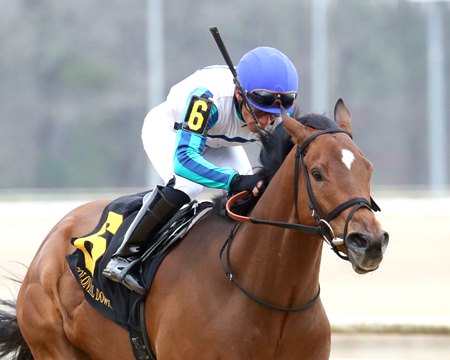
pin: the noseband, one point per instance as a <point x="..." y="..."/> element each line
<point x="323" y="219"/>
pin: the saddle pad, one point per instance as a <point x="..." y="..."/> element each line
<point x="94" y="250"/>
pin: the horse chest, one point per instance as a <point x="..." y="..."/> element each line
<point x="233" y="334"/>
<point x="283" y="336"/>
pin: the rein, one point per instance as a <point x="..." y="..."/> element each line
<point x="247" y="219"/>
<point x="323" y="220"/>
<point x="229" y="274"/>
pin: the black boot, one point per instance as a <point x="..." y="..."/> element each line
<point x="157" y="208"/>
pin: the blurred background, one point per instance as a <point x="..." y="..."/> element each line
<point x="77" y="79"/>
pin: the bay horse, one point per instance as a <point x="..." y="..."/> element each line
<point x="258" y="300"/>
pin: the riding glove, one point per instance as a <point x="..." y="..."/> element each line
<point x="243" y="182"/>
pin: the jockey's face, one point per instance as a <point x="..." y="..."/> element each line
<point x="264" y="119"/>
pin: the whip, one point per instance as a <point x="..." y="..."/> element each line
<point x="216" y="35"/>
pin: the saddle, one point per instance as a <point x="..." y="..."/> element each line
<point x="94" y="250"/>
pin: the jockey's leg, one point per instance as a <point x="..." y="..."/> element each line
<point x="157" y="208"/>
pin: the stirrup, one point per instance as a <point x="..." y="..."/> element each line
<point x="118" y="270"/>
<point x="118" y="267"/>
<point x="134" y="284"/>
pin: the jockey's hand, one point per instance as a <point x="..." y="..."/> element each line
<point x="246" y="182"/>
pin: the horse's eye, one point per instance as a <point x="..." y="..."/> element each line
<point x="316" y="175"/>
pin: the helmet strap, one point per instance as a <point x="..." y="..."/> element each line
<point x="238" y="108"/>
<point x="250" y="109"/>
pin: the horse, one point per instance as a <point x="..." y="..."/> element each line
<point x="246" y="288"/>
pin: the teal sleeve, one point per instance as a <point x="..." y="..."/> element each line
<point x="190" y="164"/>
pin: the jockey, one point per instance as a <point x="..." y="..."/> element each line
<point x="194" y="139"/>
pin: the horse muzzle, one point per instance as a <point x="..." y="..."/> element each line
<point x="365" y="250"/>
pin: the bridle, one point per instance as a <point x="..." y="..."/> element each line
<point x="323" y="219"/>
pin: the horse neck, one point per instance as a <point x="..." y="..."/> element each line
<point x="273" y="260"/>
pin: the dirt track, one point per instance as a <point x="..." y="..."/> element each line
<point x="411" y="287"/>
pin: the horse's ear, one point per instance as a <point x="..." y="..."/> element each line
<point x="295" y="129"/>
<point x="342" y="116"/>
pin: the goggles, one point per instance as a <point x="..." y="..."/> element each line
<point x="270" y="99"/>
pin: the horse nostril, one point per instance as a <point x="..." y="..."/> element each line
<point x="357" y="242"/>
<point x="365" y="243"/>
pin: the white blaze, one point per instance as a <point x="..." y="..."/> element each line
<point x="347" y="158"/>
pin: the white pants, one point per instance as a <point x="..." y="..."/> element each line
<point x="159" y="140"/>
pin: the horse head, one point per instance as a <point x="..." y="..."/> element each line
<point x="335" y="175"/>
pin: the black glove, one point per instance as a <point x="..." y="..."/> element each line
<point x="243" y="182"/>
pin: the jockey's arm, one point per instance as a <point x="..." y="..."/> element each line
<point x="190" y="163"/>
<point x="200" y="116"/>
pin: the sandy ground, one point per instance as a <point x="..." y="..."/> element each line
<point x="411" y="288"/>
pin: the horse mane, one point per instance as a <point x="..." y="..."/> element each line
<point x="275" y="147"/>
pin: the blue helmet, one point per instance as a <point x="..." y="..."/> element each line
<point x="269" y="78"/>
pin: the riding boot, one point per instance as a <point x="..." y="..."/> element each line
<point x="157" y="208"/>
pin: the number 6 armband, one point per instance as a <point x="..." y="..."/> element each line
<point x="197" y="115"/>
